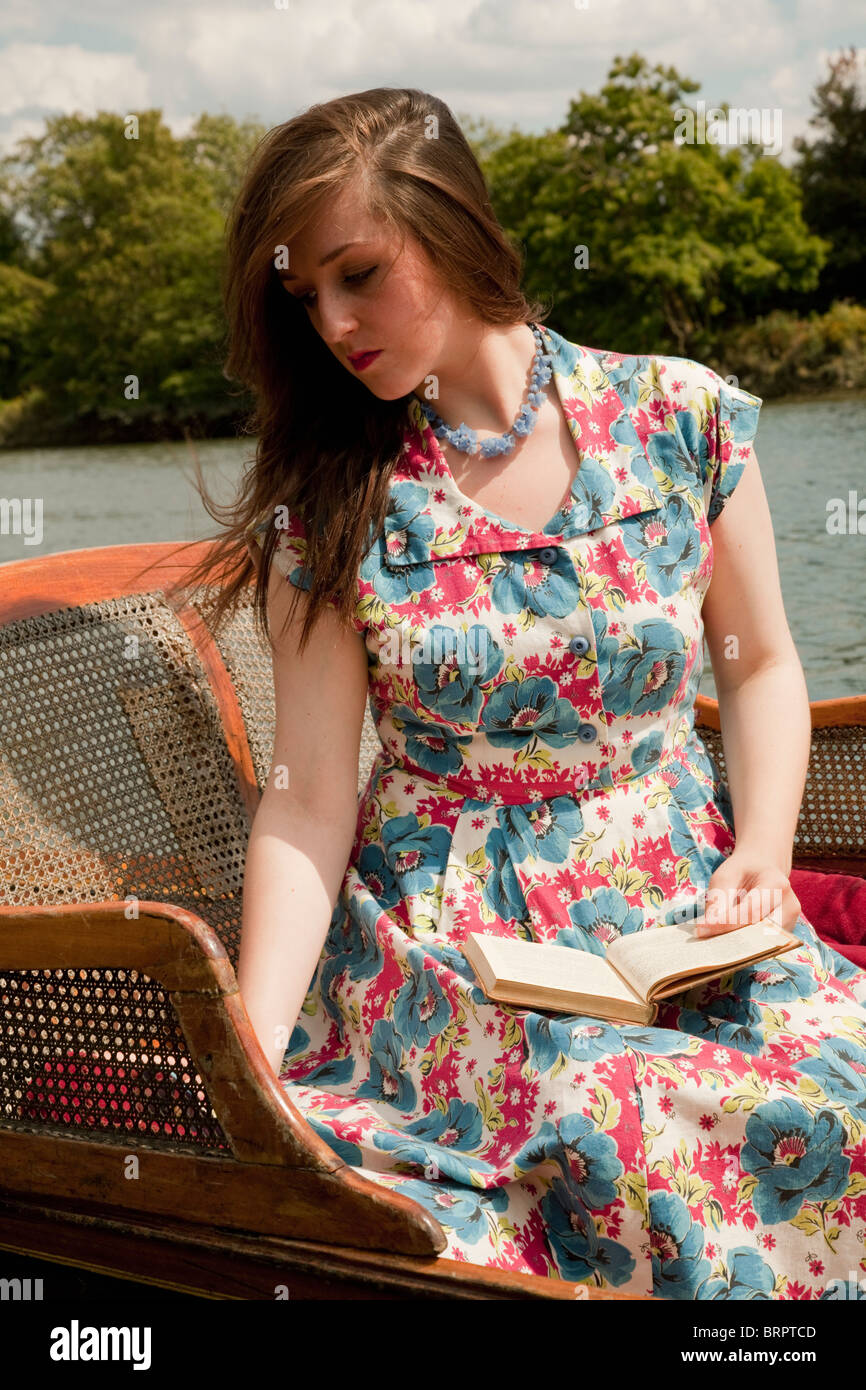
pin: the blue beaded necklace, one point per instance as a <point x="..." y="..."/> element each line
<point x="466" y="439"/>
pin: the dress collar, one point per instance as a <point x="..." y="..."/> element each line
<point x="429" y="516"/>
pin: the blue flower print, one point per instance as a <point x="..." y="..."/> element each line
<point x="587" y="1157"/>
<point x="376" y="873"/>
<point x="677" y="1247"/>
<point x="593" y="1166"/>
<point x="686" y="790"/>
<point x="298" y="1041"/>
<point x="421" y="1010"/>
<point x="436" y="749"/>
<point x="681" y="454"/>
<point x="519" y="712"/>
<point x="662" y="1042"/>
<point x="355" y="947"/>
<point x="774" y="982"/>
<point x="415" y="852"/>
<point x="501" y="889"/>
<point x="747" y="1277"/>
<point x="592" y="491"/>
<point x="452" y="957"/>
<point x="840" y="1070"/>
<point x="458" y="664"/>
<point x="464" y="1212"/>
<point x="525" y="583"/>
<point x="642" y="675"/>
<point x="408" y="534"/>
<point x="387" y="1082"/>
<point x="343" y="1148"/>
<point x="598" y="920"/>
<point x="580" y="1252"/>
<point x="337" y="1071"/>
<point x="542" y="829"/>
<point x="581" y="1038"/>
<point x="729" y="1024"/>
<point x="434" y="1139"/>
<point x="645" y="753"/>
<point x="668" y="545"/>
<point x="685" y="846"/>
<point x="795" y="1156"/>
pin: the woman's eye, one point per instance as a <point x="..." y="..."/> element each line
<point x="358" y="278"/>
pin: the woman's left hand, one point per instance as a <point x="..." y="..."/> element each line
<point x="747" y="887"/>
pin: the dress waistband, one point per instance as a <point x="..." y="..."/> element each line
<point x="506" y="794"/>
<point x="502" y="794"/>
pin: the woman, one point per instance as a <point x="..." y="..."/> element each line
<point x="527" y="621"/>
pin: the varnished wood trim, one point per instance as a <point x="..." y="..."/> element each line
<point x="231" y="1264"/>
<point x="846" y="710"/>
<point x="183" y="954"/>
<point x="338" y="1207"/>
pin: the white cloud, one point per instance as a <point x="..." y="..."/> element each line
<point x="69" y="78"/>
<point x="516" y="62"/>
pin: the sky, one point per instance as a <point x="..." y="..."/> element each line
<point x="516" y="62"/>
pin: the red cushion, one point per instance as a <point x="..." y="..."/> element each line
<point x="835" y="904"/>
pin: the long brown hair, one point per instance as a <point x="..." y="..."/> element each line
<point x="331" y="467"/>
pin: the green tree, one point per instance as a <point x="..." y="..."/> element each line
<point x="127" y="234"/>
<point x="832" y="174"/>
<point x="682" y="240"/>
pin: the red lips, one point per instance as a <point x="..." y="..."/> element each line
<point x="360" y="360"/>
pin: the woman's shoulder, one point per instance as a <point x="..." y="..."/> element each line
<point x="685" y="382"/>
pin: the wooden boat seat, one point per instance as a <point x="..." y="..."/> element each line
<point x="141" y="1130"/>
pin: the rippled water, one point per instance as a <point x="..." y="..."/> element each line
<point x="809" y="452"/>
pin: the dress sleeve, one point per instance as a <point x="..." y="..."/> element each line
<point x="731" y="428"/>
<point x="291" y="550"/>
<point x="290" y="558"/>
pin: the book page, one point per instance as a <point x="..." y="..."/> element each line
<point x="650" y="959"/>
<point x="559" y="969"/>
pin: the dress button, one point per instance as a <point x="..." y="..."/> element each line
<point x="579" y="645"/>
<point x="587" y="732"/>
<point x="548" y="554"/>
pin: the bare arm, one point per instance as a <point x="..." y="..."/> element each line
<point x="302" y="833"/>
<point x="764" y="710"/>
<point x="763" y="699"/>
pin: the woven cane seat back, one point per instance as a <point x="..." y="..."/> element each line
<point x="115" y="784"/>
<point x="832" y="822"/>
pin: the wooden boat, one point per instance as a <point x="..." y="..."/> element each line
<point x="133" y="751"/>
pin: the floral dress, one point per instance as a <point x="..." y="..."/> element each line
<point x="541" y="776"/>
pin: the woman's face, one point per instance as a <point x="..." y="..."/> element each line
<point x="379" y="293"/>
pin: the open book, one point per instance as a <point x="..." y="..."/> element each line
<point x="626" y="983"/>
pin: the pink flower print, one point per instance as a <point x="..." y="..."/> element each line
<point x="666" y="1104"/>
<point x="709" y="1121"/>
<point x="656" y="533"/>
<point x="638" y="821"/>
<point x="768" y="1241"/>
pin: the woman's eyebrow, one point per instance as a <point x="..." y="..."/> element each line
<point x="329" y="256"/>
